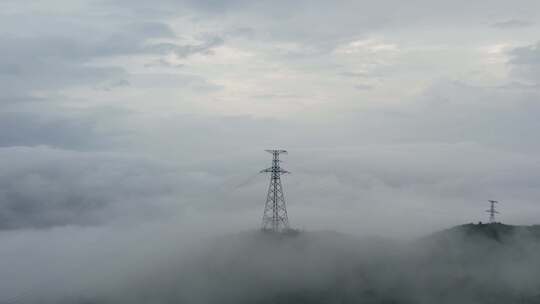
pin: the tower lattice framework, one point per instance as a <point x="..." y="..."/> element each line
<point x="275" y="211"/>
<point x="492" y="211"/>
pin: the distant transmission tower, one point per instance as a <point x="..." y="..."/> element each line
<point x="275" y="212"/>
<point x="492" y="211"/>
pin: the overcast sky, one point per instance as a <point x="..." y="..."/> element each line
<point x="121" y="113"/>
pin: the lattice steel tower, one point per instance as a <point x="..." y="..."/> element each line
<point x="275" y="212"/>
<point x="492" y="211"/>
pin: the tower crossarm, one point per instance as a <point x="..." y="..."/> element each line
<point x="276" y="170"/>
<point x="276" y="151"/>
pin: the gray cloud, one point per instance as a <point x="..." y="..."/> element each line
<point x="163" y="63"/>
<point x="183" y="51"/>
<point x="355" y="74"/>
<point x="301" y="21"/>
<point x="362" y="86"/>
<point x="43" y="188"/>
<point x="120" y="39"/>
<point x="527" y="55"/>
<point x="61" y="189"/>
<point x="204" y="48"/>
<point x="29" y="63"/>
<point x="525" y="62"/>
<point x="31" y="129"/>
<point x="35" y="122"/>
<point x="511" y="24"/>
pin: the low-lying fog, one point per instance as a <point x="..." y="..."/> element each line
<point x="155" y="264"/>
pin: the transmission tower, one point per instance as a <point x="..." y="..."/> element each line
<point x="492" y="211"/>
<point x="275" y="212"/>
